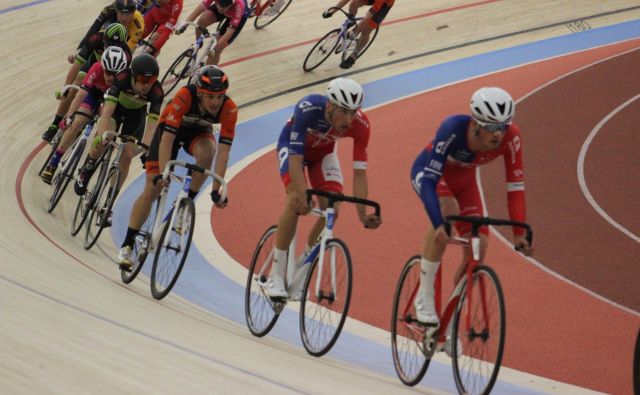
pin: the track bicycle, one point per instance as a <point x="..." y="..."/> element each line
<point x="171" y="233"/>
<point x="475" y="308"/>
<point x="327" y="276"/>
<point x="69" y="161"/>
<point x="96" y="204"/>
<point x="189" y="61"/>
<point x="339" y="40"/>
<point x="267" y="11"/>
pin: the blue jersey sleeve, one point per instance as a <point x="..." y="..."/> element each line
<point x="450" y="134"/>
<point x="308" y="114"/>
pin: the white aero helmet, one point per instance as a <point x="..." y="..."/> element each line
<point x="114" y="59"/>
<point x="345" y="93"/>
<point x="492" y="105"/>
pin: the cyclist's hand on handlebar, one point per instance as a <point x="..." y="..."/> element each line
<point x="522" y="245"/>
<point x="181" y="28"/>
<point x="441" y="236"/>
<point x="159" y="181"/>
<point x="371" y="221"/>
<point x="327" y="14"/>
<point x="217" y="199"/>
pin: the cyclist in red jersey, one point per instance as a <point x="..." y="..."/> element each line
<point x="161" y="20"/>
<point x="372" y="19"/>
<point x="444" y="175"/>
<point x="187" y="119"/>
<point x="234" y="13"/>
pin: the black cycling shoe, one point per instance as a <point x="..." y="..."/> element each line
<point x="347" y="63"/>
<point x="49" y="133"/>
<point x="80" y="186"/>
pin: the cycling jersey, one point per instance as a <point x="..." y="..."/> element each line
<point x="110" y="15"/>
<point x="94" y="82"/>
<point x="379" y="10"/>
<point x="122" y="93"/>
<point x="447" y="159"/>
<point x="163" y="20"/>
<point x="309" y="134"/>
<point x="236" y="13"/>
<point x="183" y="112"/>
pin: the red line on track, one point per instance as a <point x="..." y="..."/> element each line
<point x="419" y="16"/>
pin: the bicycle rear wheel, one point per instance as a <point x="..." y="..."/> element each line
<point x="260" y="312"/>
<point x="102" y="206"/>
<point x="407" y="337"/>
<point x="476" y="366"/>
<point x="351" y="45"/>
<point x="140" y="247"/>
<point x="271" y="13"/>
<point x="323" y="311"/>
<point x="173" y="249"/>
<point x="87" y="201"/>
<point x="322" y="49"/>
<point x="62" y="179"/>
<point x="176" y="72"/>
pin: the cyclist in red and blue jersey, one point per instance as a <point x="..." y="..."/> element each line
<point x="98" y="80"/>
<point x="445" y="176"/>
<point x="309" y="139"/>
<point x="233" y="13"/>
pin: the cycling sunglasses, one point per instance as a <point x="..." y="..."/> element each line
<point x="110" y="73"/>
<point x="144" y="79"/>
<point x="494" y="127"/>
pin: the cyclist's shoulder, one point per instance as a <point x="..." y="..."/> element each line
<point x="108" y="14"/>
<point x="454" y="124"/>
<point x="311" y="104"/>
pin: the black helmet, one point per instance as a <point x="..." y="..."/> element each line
<point x="224" y="3"/>
<point x="146" y="65"/>
<point x="126" y="6"/>
<point x="212" y="79"/>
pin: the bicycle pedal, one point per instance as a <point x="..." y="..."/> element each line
<point x="126" y="268"/>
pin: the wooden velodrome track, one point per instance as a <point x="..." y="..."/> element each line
<point x="67" y="324"/>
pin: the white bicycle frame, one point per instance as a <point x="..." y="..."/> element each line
<point x="196" y="46"/>
<point x="186" y="183"/>
<point x="86" y="132"/>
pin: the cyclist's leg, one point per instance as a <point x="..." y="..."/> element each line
<point x="324" y="174"/>
<point x="202" y="146"/>
<point x="132" y="125"/>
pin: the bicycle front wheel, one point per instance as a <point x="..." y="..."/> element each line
<point x="350" y="46"/>
<point x="55" y="142"/>
<point x="173" y="249"/>
<point x="101" y="209"/>
<point x="271" y="13"/>
<point x="321" y="50"/>
<point x="325" y="299"/>
<point x="407" y="336"/>
<point x="87" y="201"/>
<point x="62" y="179"/>
<point x="140" y="247"/>
<point x="261" y="313"/>
<point x="176" y="72"/>
<point x="479" y="328"/>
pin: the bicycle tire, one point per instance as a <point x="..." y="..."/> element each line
<point x="478" y="364"/>
<point x="407" y="347"/>
<point x="329" y="41"/>
<point x="168" y="86"/>
<point x="263" y="20"/>
<point x="259" y="309"/>
<point x="351" y="47"/>
<point x="64" y="177"/>
<point x="313" y="312"/>
<point x="110" y="194"/>
<point x="140" y="247"/>
<point x="164" y="278"/>
<point x="86" y="202"/>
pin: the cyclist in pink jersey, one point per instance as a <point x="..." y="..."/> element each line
<point x="233" y="13"/>
<point x="95" y="84"/>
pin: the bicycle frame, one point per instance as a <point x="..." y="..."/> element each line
<point x="76" y="146"/>
<point x="170" y="218"/>
<point x="197" y="57"/>
<point x="472" y="263"/>
<point x="258" y="6"/>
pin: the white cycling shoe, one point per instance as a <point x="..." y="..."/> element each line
<point x="276" y="287"/>
<point x="426" y="310"/>
<point x="448" y="347"/>
<point x="124" y="258"/>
